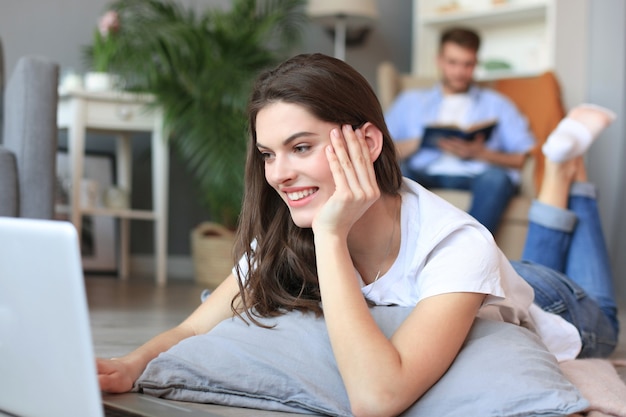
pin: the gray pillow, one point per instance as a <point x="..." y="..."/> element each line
<point x="502" y="370"/>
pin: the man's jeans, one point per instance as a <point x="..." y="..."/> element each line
<point x="566" y="261"/>
<point x="491" y="191"/>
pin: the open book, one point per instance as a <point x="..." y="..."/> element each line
<point x="434" y="132"/>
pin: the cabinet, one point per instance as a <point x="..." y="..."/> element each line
<point x="532" y="36"/>
<point x="119" y="114"/>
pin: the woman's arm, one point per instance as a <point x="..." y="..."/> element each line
<point x="384" y="376"/>
<point x="119" y="374"/>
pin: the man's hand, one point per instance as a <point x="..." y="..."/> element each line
<point x="464" y="149"/>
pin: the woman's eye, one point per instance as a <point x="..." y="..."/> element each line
<point x="301" y="148"/>
<point x="265" y="155"/>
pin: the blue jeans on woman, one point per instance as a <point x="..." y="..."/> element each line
<point x="566" y="261"/>
<point x="491" y="191"/>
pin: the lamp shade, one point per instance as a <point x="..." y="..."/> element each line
<point x="357" y="13"/>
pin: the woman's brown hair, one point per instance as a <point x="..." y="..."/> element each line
<point x="279" y="269"/>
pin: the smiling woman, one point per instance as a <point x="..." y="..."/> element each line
<point x="292" y="143"/>
<point x="330" y="227"/>
<point x="305" y="103"/>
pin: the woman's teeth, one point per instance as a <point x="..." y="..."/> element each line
<point x="298" y="195"/>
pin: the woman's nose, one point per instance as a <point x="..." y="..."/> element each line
<point x="281" y="170"/>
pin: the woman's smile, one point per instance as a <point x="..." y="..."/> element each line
<point x="298" y="196"/>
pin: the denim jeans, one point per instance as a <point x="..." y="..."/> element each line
<point x="491" y="191"/>
<point x="566" y="261"/>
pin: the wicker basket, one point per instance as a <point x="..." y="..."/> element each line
<point x="211" y="249"/>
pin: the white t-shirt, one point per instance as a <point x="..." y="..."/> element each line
<point x="455" y="109"/>
<point x="444" y="250"/>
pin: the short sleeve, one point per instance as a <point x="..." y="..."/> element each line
<point x="464" y="261"/>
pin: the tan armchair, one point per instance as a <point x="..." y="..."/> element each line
<point x="539" y="99"/>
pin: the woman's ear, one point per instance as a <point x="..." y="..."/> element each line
<point x="373" y="138"/>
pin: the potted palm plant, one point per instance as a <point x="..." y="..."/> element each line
<point x="200" y="67"/>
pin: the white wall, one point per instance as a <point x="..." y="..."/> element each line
<point x="57" y="29"/>
<point x="606" y="158"/>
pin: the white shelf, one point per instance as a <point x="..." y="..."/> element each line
<point x="498" y="75"/>
<point x="105" y="211"/>
<point x="499" y="14"/>
<point x="121" y="213"/>
<point x="519" y="32"/>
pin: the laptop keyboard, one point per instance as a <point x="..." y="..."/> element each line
<point x="110" y="411"/>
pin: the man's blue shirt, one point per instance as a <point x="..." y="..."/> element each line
<point x="414" y="109"/>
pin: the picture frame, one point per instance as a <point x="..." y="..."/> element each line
<point x="98" y="233"/>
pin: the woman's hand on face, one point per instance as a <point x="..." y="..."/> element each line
<point x="356" y="188"/>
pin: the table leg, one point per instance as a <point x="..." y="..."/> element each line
<point x="160" y="186"/>
<point x="124" y="153"/>
<point x="76" y="150"/>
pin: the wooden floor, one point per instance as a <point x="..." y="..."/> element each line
<point x="124" y="314"/>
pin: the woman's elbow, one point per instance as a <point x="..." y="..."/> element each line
<point x="383" y="404"/>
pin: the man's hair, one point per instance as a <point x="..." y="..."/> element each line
<point x="464" y="37"/>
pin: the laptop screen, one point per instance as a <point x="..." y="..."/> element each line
<point x="46" y="356"/>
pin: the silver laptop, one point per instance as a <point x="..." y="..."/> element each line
<point x="47" y="364"/>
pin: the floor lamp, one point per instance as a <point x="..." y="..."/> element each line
<point x="348" y="21"/>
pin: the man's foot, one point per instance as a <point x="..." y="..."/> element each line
<point x="575" y="134"/>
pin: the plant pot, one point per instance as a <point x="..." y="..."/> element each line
<point x="212" y="253"/>
<point x="99" y="81"/>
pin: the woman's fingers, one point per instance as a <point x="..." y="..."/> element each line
<point x="338" y="160"/>
<point x="112" y="376"/>
<point x="354" y="166"/>
<point x="360" y="157"/>
<point x="355" y="181"/>
<point x="369" y="164"/>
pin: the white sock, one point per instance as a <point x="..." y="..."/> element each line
<point x="570" y="139"/>
<point x="575" y="134"/>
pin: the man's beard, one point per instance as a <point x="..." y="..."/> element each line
<point x="457" y="87"/>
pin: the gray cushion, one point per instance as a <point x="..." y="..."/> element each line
<point x="502" y="370"/>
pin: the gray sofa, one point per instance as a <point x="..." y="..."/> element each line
<point x="28" y="142"/>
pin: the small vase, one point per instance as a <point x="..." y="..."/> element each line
<point x="99" y="81"/>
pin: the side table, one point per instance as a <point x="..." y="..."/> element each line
<point x="120" y="113"/>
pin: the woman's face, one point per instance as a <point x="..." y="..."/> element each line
<point x="293" y="142"/>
